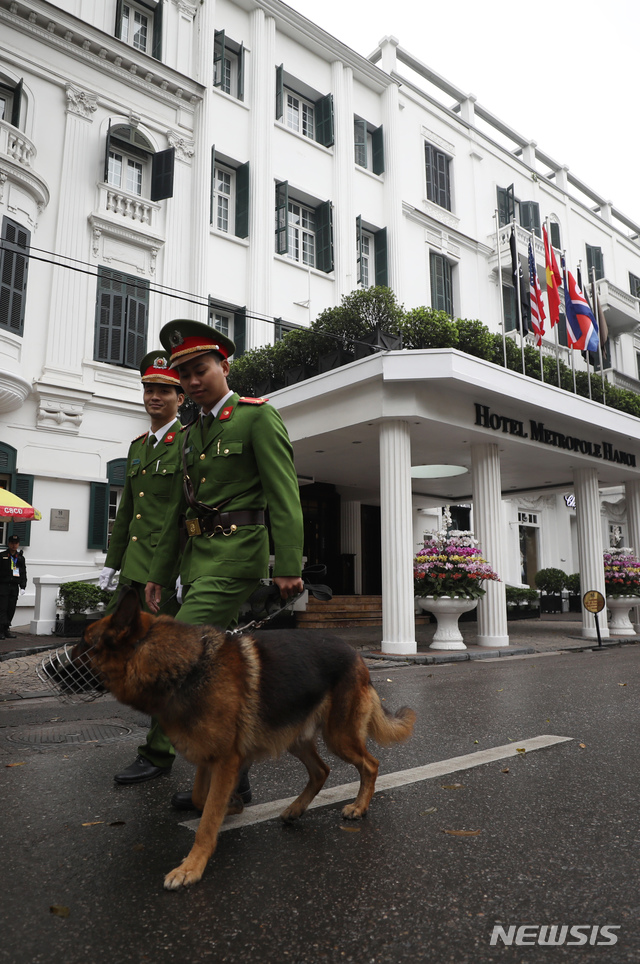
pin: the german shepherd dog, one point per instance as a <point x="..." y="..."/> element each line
<point x="227" y="700"/>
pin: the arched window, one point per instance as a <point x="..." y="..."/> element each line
<point x="132" y="165"/>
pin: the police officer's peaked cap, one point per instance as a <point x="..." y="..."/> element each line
<point x="156" y="367"/>
<point x="185" y="339"/>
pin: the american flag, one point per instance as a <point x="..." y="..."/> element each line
<point x="535" y="298"/>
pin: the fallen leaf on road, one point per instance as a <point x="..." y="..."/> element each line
<point x="15" y="764"/>
<point x="351" y="829"/>
<point x="476" y="741"/>
<point x="430" y="810"/>
<point x="462" y="833"/>
<point x="59" y="910"/>
<point x="583" y="746"/>
<point x="502" y="690"/>
<point x="506" y="770"/>
<point x="389" y="680"/>
<point x="453" y="786"/>
<point x="521" y="749"/>
<point x="92" y="823"/>
<point x="622" y="684"/>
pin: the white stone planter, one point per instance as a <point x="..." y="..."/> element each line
<point x="447" y="610"/>
<point x="619" y="607"/>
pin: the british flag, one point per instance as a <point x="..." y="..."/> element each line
<point x="535" y="299"/>
<point x="582" y="327"/>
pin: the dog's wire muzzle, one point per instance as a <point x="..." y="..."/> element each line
<point x="71" y="679"/>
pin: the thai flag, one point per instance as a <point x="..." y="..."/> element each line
<point x="582" y="327"/>
<point x="535" y="299"/>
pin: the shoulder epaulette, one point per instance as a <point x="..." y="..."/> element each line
<point x="138" y="437"/>
<point x="253" y="401"/>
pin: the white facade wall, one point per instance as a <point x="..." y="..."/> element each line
<point x="80" y="414"/>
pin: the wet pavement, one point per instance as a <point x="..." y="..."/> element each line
<point x="556" y="830"/>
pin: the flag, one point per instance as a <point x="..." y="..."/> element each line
<point x="535" y="299"/>
<point x="554" y="280"/>
<point x="517" y="276"/>
<point x="582" y="327"/>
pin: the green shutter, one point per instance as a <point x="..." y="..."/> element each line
<point x="98" y="516"/>
<point x="377" y="149"/>
<point x="441" y="298"/>
<point x="282" y="217"/>
<point x="324" y="120"/>
<point x="359" y="249"/>
<point x="242" y="201"/>
<point x="241" y="72"/>
<point x="24" y="490"/>
<point x="324" y="237"/>
<point x="279" y="92"/>
<point x="8" y="457"/>
<point x="213" y="183"/>
<point x="118" y="18"/>
<point x="382" y="273"/>
<point x="218" y="57"/>
<point x="156" y="46"/>
<point x="162" y="166"/>
<point x="595" y="260"/>
<point x="14" y="265"/>
<point x="16" y="104"/>
<point x="137" y="310"/>
<point x="634" y="285"/>
<point x="360" y="141"/>
<point x="110" y="317"/>
<point x="240" y="331"/>
<point x="506" y="204"/>
<point x="117" y="471"/>
<point x="530" y="217"/>
<point x="555" y="234"/>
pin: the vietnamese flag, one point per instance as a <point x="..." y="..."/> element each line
<point x="554" y="280"/>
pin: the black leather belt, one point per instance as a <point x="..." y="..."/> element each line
<point x="223" y="523"/>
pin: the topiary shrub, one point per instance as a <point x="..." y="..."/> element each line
<point x="428" y="328"/>
<point x="572" y="584"/>
<point x="81" y="597"/>
<point x="550" y="580"/>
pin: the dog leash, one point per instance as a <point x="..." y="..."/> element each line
<point x="264" y="595"/>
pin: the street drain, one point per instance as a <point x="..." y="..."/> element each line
<point x="60" y="734"/>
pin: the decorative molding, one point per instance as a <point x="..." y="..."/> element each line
<point x="32" y="184"/>
<point x="615" y="511"/>
<point x="535" y="505"/>
<point x="184" y="149"/>
<point x="440" y="214"/>
<point x="127" y="234"/>
<point x="438" y="141"/>
<point x="186" y="7"/>
<point x="60" y="410"/>
<point x="13" y="391"/>
<point x="80" y="102"/>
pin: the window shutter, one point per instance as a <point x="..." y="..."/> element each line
<point x="555" y="234"/>
<point x="324" y="120"/>
<point x="106" y="153"/>
<point x="530" y="216"/>
<point x="377" y="150"/>
<point x="360" y="141"/>
<point x="98" y="516"/>
<point x="13" y="275"/>
<point x="24" y="490"/>
<point x="279" y="92"/>
<point x="442" y="165"/>
<point x="156" y="46"/>
<point x="242" y="201"/>
<point x="16" y="104"/>
<point x="509" y="304"/>
<point x="241" y="57"/>
<point x="118" y="20"/>
<point x="162" y="166"/>
<point x="282" y="212"/>
<point x="359" y="249"/>
<point x="441" y="284"/>
<point x="117" y="471"/>
<point x="218" y="58"/>
<point x="595" y="260"/>
<point x="213" y="184"/>
<point x="136" y="319"/>
<point x="562" y="329"/>
<point x="324" y="237"/>
<point x="8" y="456"/>
<point x="506" y="204"/>
<point x="382" y="274"/>
<point x="110" y="317"/>
<point x="240" y="331"/>
<point x="634" y="285"/>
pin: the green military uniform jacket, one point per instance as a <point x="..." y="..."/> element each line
<point x="245" y="456"/>
<point x="148" y="485"/>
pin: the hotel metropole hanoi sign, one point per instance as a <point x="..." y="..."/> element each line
<point x="538" y="432"/>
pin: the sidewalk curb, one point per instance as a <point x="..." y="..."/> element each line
<point x="452" y="656"/>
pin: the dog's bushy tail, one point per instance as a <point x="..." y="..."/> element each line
<point x="387" y="728"/>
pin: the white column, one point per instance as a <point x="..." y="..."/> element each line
<point x="199" y="231"/>
<point x="398" y="617"/>
<point x="186" y="237"/>
<point x="392" y="186"/>
<point x="262" y="197"/>
<point x="488" y="526"/>
<point x="351" y="538"/>
<point x="632" y="492"/>
<point x="590" y="545"/>
<point x="343" y="164"/>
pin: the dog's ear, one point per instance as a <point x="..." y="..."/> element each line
<point x="127" y="613"/>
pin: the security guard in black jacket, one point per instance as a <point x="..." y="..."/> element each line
<point x="13" y="582"/>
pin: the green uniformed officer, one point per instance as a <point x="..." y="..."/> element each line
<point x="152" y="463"/>
<point x="238" y="460"/>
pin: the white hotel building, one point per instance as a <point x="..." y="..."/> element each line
<point x="146" y="150"/>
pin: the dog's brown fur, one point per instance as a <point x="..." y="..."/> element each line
<point x="225" y="701"/>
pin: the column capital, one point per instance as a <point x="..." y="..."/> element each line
<point x="80" y="102"/>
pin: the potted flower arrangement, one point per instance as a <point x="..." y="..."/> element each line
<point x="622" y="586"/>
<point x="448" y="572"/>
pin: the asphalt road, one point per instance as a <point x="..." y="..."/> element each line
<point x="558" y="841"/>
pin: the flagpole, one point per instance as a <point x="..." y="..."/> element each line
<point x="557" y="324"/>
<point x="540" y="322"/>
<point x="570" y="347"/>
<point x="500" y="293"/>
<point x="518" y="293"/>
<point x="587" y="359"/>
<point x="596" y="314"/>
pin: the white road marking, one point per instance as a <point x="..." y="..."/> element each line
<point x="347" y="791"/>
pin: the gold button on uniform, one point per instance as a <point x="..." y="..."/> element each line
<point x="141" y="494"/>
<point x="202" y="456"/>
<point x="203" y="479"/>
<point x="134" y="538"/>
<point x="138" y="516"/>
<point x="144" y="471"/>
<point x="164" y="471"/>
<point x="226" y="451"/>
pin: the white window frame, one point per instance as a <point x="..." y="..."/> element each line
<point x="367" y="260"/>
<point x="115" y="495"/>
<point x="230" y="80"/>
<point x="128" y="26"/>
<point x="299" y="114"/>
<point x="220" y="196"/>
<point x="131" y="176"/>
<point x="302" y="237"/>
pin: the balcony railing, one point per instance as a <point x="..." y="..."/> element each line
<point x="128" y="206"/>
<point x="15" y="146"/>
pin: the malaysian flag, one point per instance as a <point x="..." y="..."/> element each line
<point x="582" y="327"/>
<point x="535" y="299"/>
